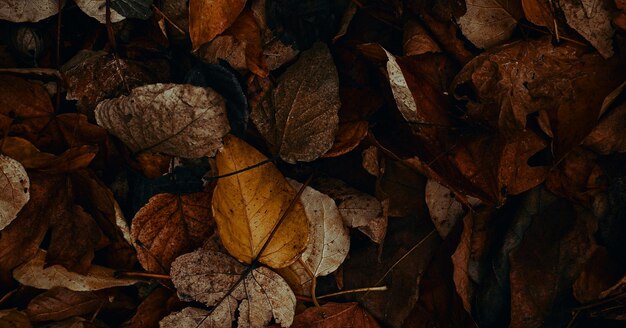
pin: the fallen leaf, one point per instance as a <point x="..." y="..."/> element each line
<point x="154" y="165"/>
<point x="208" y="18"/>
<point x="14" y="189"/>
<point x="403" y="186"/>
<point x="416" y="40"/>
<point x="349" y="136"/>
<point x="608" y="136"/>
<point x="248" y="205"/>
<point x="329" y="240"/>
<point x="97" y="9"/>
<point x="13" y="318"/>
<point x="27" y="11"/>
<point x="169" y="226"/>
<point x="577" y="177"/>
<point x="209" y="277"/>
<point x="549" y="258"/>
<point x="34" y="273"/>
<point x="592" y="19"/>
<point x="599" y="274"/>
<point x="151" y="310"/>
<point x="32" y="158"/>
<point x="444" y="209"/>
<point x="178" y="120"/>
<point x="93" y="76"/>
<point x="141" y="9"/>
<point x="345" y="315"/>
<point x="299" y="121"/>
<point x="190" y="317"/>
<point x="490" y="22"/>
<point x="60" y="303"/>
<point x="358" y="209"/>
<point x="539" y="12"/>
<point x="504" y="86"/>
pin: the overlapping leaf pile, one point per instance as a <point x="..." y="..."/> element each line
<point x="212" y="163"/>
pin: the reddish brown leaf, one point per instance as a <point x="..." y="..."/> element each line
<point x="151" y="310"/>
<point x="59" y="303"/>
<point x="169" y="226"/>
<point x="208" y="18"/>
<point x="346" y="315"/>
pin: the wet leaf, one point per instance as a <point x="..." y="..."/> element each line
<point x="208" y="18"/>
<point x="14" y="189"/>
<point x="299" y="120"/>
<point x="248" y="205"/>
<point x="178" y="120"/>
<point x="207" y="277"/>
<point x="169" y="226"/>
<point x="34" y="273"/>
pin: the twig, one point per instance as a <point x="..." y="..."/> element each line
<point x="158" y="11"/>
<point x="313" y="281"/>
<point x="150" y="275"/>
<point x="269" y="160"/>
<point x="357" y="290"/>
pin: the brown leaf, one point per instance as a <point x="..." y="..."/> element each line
<point x="169" y="226"/>
<point x="13" y="318"/>
<point x="577" y="177"/>
<point x="299" y="120"/>
<point x="34" y="273"/>
<point x="346" y="315"/>
<point x="154" y="165"/>
<point x="208" y="18"/>
<point x="14" y="189"/>
<point x="248" y="205"/>
<point x="23" y="151"/>
<point x="31" y="11"/>
<point x="609" y="135"/>
<point x="539" y="12"/>
<point x="174" y="119"/>
<point x="600" y="273"/>
<point x="92" y="76"/>
<point x="560" y="84"/>
<point x="490" y="22"/>
<point x="443" y="208"/>
<point x="416" y="40"/>
<point x="549" y="258"/>
<point x="151" y="310"/>
<point x="592" y="19"/>
<point x="349" y="136"/>
<point x="403" y="186"/>
<point x="207" y="277"/>
<point x="60" y="303"/>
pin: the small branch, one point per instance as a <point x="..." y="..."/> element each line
<point x="313" y="281"/>
<point x="358" y="290"/>
<point x="149" y="275"/>
<point x="269" y="160"/>
<point x="158" y="11"/>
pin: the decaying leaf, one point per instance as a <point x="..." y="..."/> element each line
<point x="248" y="205"/>
<point x="329" y="240"/>
<point x="14" y="189"/>
<point x="592" y="19"/>
<point x="97" y="10"/>
<point x="444" y="209"/>
<point x="207" y="276"/>
<point x="489" y="22"/>
<point x="27" y="11"/>
<point x="299" y="121"/>
<point x="358" y="209"/>
<point x="208" y="18"/>
<point x="13" y="318"/>
<point x="169" y="226"/>
<point x="178" y="120"/>
<point x="345" y="315"/>
<point x="60" y="303"/>
<point x="34" y="273"/>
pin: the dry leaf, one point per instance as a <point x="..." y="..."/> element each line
<point x="34" y="273"/>
<point x="299" y="121"/>
<point x="208" y="18"/>
<point x="26" y="153"/>
<point x="592" y="19"/>
<point x="247" y="206"/>
<point x="345" y="315"/>
<point x="490" y="22"/>
<point x="60" y="303"/>
<point x="178" y="120"/>
<point x="27" y="11"/>
<point x="206" y="276"/>
<point x="444" y="209"/>
<point x="13" y="318"/>
<point x="14" y="189"/>
<point x="609" y="135"/>
<point x="416" y="40"/>
<point x="169" y="226"/>
<point x="539" y="12"/>
<point x="348" y="137"/>
<point x="358" y="209"/>
<point x="97" y="10"/>
<point x="151" y="310"/>
<point x="329" y="240"/>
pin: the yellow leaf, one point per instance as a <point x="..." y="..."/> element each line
<point x="248" y="205"/>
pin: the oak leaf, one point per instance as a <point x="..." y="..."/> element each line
<point x="208" y="18"/>
<point x="489" y="22"/>
<point x="169" y="226"/>
<point x="34" y="273"/>
<point x="14" y="189"/>
<point x="248" y="205"/>
<point x="178" y="120"/>
<point x="210" y="277"/>
<point x="299" y="120"/>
